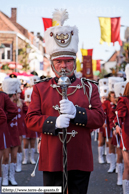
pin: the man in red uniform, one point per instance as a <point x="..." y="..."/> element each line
<point x="81" y="112"/>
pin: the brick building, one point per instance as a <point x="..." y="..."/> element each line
<point x="15" y="37"/>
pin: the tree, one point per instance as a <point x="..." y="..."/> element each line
<point x="126" y="56"/>
<point x="126" y="52"/>
<point x="103" y="73"/>
<point x="24" y="56"/>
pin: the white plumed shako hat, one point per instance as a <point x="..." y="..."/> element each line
<point x="112" y="81"/>
<point x="61" y="41"/>
<point x="10" y="86"/>
<point x="103" y="82"/>
<point x="119" y="88"/>
<point x="103" y="91"/>
<point x="28" y="93"/>
<point x="127" y="72"/>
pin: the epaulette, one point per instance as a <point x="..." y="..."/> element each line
<point x="43" y="80"/>
<point x="89" y="80"/>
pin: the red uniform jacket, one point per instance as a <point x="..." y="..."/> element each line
<point x="3" y="117"/>
<point x="123" y="114"/>
<point x="8" y="106"/>
<point x="3" y="122"/>
<point x="11" y="111"/>
<point x="106" y="107"/>
<point x="41" y="117"/>
<point x="112" y="116"/>
<point x="21" y="115"/>
<point x="13" y="130"/>
<point x="102" y="129"/>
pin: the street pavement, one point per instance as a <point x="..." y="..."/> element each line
<point x="100" y="181"/>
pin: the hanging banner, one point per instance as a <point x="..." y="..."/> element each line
<point x="110" y="30"/>
<point x="87" y="67"/>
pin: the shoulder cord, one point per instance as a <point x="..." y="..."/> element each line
<point x="90" y="89"/>
<point x="67" y="94"/>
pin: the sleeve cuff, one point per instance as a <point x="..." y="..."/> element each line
<point x="81" y="117"/>
<point x="49" y="126"/>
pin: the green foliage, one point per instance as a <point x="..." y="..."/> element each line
<point x="122" y="65"/>
<point x="5" y="67"/>
<point x="126" y="56"/>
<point x="103" y="73"/>
<point x="126" y="52"/>
<point x="24" y="60"/>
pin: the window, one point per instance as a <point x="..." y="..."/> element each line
<point x="6" y="55"/>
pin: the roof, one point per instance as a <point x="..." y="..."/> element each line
<point x="14" y="26"/>
<point x="23" y="30"/>
<point x="113" y="56"/>
<point x="11" y="26"/>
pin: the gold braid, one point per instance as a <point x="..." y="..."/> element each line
<point x="67" y="94"/>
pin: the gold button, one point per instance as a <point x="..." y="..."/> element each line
<point x="83" y="113"/>
<point x="83" y="125"/>
<point x="76" y="123"/>
<point x="80" y="124"/>
<point x="90" y="106"/>
<point x="47" y="121"/>
<point x="51" y="121"/>
<point x="50" y="133"/>
<point x="79" y="112"/>
<point x="44" y="132"/>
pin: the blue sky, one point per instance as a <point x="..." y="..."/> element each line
<point x="82" y="13"/>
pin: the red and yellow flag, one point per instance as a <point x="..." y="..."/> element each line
<point x="48" y="22"/>
<point x="78" y="65"/>
<point x="96" y="65"/>
<point x="86" y="52"/>
<point x="110" y="30"/>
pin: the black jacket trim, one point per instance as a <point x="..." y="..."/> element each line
<point x="81" y="117"/>
<point x="49" y="126"/>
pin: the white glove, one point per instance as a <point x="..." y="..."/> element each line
<point x="63" y="121"/>
<point x="67" y="107"/>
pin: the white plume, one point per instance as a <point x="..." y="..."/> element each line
<point x="60" y="16"/>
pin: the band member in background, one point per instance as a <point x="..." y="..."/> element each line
<point x="10" y="86"/>
<point x="11" y="111"/>
<point x="119" y="90"/>
<point x="108" y="104"/>
<point x="81" y="111"/>
<point x="123" y="115"/>
<point x="30" y="137"/>
<point x="102" y="135"/>
<point x="3" y="119"/>
<point x="22" y="110"/>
